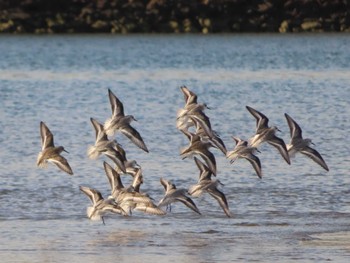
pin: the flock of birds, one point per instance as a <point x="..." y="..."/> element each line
<point x="195" y="125"/>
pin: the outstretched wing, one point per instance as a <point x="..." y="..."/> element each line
<point x="189" y="96"/>
<point x="295" y="130"/>
<point x="134" y="136"/>
<point x="221" y="198"/>
<point x="261" y="120"/>
<point x="93" y="194"/>
<point x="204" y="172"/>
<point x="62" y="163"/>
<point x="100" y="133"/>
<point x="315" y="156"/>
<point x="281" y="147"/>
<point x="255" y="161"/>
<point x="116" y="105"/>
<point x="113" y="177"/>
<point x="187" y="201"/>
<point x="46" y="136"/>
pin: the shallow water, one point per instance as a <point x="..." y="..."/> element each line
<point x="63" y="81"/>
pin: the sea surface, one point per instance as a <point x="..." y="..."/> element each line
<point x="295" y="213"/>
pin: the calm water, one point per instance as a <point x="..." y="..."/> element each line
<point x="63" y="80"/>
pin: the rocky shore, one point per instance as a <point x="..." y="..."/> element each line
<point x="171" y="16"/>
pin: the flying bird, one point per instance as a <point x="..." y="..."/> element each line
<point x="127" y="197"/>
<point x="206" y="184"/>
<point x="104" y="146"/>
<point x="172" y="195"/>
<point x="201" y="148"/>
<point x="243" y="151"/>
<point x="121" y="122"/>
<point x="301" y="145"/>
<point x="264" y="133"/>
<point x="50" y="153"/>
<point x="100" y="207"/>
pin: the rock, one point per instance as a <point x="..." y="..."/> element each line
<point x="283" y="27"/>
<point x="206" y="22"/>
<point x="310" y="25"/>
<point x="6" y="25"/>
<point x="173" y="24"/>
<point x="99" y="24"/>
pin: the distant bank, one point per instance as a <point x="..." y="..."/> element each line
<point x="171" y="16"/>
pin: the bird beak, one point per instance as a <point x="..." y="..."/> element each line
<point x="207" y="106"/>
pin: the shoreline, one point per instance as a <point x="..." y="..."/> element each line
<point x="173" y="17"/>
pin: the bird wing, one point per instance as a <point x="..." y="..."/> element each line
<point x="261" y="120"/>
<point x="116" y="157"/>
<point x="202" y="120"/>
<point x="295" y="130"/>
<point x="205" y="172"/>
<point x="219" y="143"/>
<point x="62" y="163"/>
<point x="189" y="96"/>
<point x="255" y="161"/>
<point x="315" y="156"/>
<point x="151" y="209"/>
<point x="113" y="177"/>
<point x="116" y="105"/>
<point x="100" y="133"/>
<point x="46" y="136"/>
<point x="93" y="194"/>
<point x="134" y="136"/>
<point x="281" y="147"/>
<point x="221" y="198"/>
<point x="167" y="184"/>
<point x="209" y="158"/>
<point x="187" y="201"/>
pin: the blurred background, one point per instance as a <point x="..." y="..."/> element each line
<point x="162" y="16"/>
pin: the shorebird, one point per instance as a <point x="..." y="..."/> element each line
<point x="189" y="96"/>
<point x="243" y="150"/>
<point x="189" y="117"/>
<point x="50" y="153"/>
<point x="211" y="136"/>
<point x="206" y="184"/>
<point x="192" y="112"/>
<point x="202" y="128"/>
<point x="193" y="115"/>
<point x="127" y="198"/>
<point x="137" y="180"/>
<point x="131" y="166"/>
<point x="201" y="148"/>
<point x="104" y="146"/>
<point x="100" y="206"/>
<point x="121" y="122"/>
<point x="298" y="144"/>
<point x="264" y="133"/>
<point x="172" y="194"/>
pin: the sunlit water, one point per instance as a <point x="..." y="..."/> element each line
<point x="64" y="80"/>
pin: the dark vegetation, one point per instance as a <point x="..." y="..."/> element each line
<point x="173" y="16"/>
